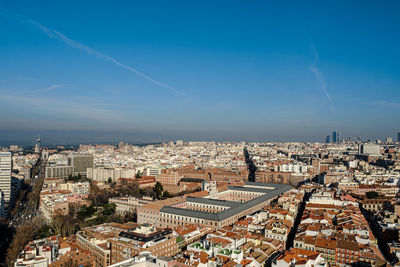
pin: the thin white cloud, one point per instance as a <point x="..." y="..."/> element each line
<point x="387" y="104"/>
<point x="319" y="76"/>
<point x="88" y="50"/>
<point x="50" y="88"/>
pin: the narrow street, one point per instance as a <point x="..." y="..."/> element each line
<point x="292" y="234"/>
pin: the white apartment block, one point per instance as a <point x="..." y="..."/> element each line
<point x="154" y="170"/>
<point x="59" y="171"/>
<point x="80" y="188"/>
<point x="5" y="175"/>
<point x="296" y="168"/>
<point x="102" y="174"/>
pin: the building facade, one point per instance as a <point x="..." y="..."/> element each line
<point x="5" y="175"/>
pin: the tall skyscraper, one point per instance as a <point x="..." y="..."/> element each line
<point x="334" y="137"/>
<point x="328" y="139"/>
<point x="338" y="137"/>
<point x="398" y="137"/>
<point x="5" y="175"/>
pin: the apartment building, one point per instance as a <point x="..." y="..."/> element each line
<point x="144" y="238"/>
<point x="97" y="239"/>
<point x="169" y="177"/>
<point x="79" y="188"/>
<point x="52" y="203"/>
<point x="102" y="174"/>
<point x="338" y="231"/>
<point x="5" y="176"/>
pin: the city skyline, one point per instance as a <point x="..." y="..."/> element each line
<point x="226" y="71"/>
<point x="114" y="138"/>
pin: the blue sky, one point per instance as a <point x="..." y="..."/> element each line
<point x="142" y="71"/>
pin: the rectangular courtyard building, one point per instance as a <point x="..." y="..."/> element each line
<point x="222" y="208"/>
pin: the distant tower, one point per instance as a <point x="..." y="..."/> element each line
<point x="338" y="137"/>
<point x="327" y="139"/>
<point x="334" y="137"/>
<point x="37" y="145"/>
<point x="398" y="137"/>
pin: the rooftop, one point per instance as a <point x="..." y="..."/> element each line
<point x="269" y="191"/>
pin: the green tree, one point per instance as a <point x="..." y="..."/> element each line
<point x="97" y="196"/>
<point x="6" y="234"/>
<point x="138" y="175"/>
<point x="148" y="191"/>
<point x="142" y="192"/>
<point x="86" y="212"/>
<point x="73" y="208"/>
<point x="44" y="231"/>
<point x="116" y="218"/>
<point x="100" y="220"/>
<point x="179" y="239"/>
<point x="109" y="209"/>
<point x="109" y="180"/>
<point x="167" y="194"/>
<point x="372" y="194"/>
<point x="131" y="217"/>
<point x="158" y="190"/>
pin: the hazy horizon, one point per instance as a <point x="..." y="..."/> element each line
<point x="27" y="138"/>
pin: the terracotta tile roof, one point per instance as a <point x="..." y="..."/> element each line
<point x="299" y="255"/>
<point x="325" y="242"/>
<point x="203" y="257"/>
<point x="186" y="229"/>
<point x="344" y="244"/>
<point x="230" y="263"/>
<point x="245" y="262"/>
